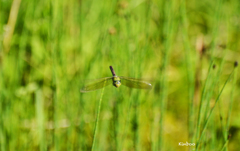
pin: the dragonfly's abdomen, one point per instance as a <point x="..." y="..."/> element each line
<point x="116" y="81"/>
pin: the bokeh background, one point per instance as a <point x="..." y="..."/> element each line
<point x="186" y="49"/>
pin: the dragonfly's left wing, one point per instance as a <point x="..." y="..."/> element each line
<point x="135" y="83"/>
<point x="97" y="84"/>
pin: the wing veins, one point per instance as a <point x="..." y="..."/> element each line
<point x="135" y="83"/>
<point x="96" y="84"/>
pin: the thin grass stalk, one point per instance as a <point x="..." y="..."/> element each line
<point x="40" y="119"/>
<point x="53" y="46"/>
<point x="202" y="100"/>
<point x="6" y="134"/>
<point x="213" y="79"/>
<point x="135" y="123"/>
<point x="3" y="142"/>
<point x="215" y="31"/>
<point x="135" y="119"/>
<point x="126" y="123"/>
<point x="97" y="119"/>
<point x="225" y="145"/>
<point x="190" y="72"/>
<point x="115" y="110"/>
<point x="82" y="140"/>
<point x="206" y="123"/>
<point x="11" y="25"/>
<point x="226" y="130"/>
<point x="168" y="32"/>
<point x="212" y="86"/>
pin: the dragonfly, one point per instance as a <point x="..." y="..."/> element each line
<point x="116" y="81"/>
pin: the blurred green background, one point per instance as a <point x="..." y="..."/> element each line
<point x="186" y="49"/>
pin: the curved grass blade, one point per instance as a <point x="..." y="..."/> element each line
<point x="96" y="84"/>
<point x="98" y="114"/>
<point x="135" y="83"/>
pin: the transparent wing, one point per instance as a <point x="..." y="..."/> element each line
<point x="96" y="84"/>
<point x="135" y="83"/>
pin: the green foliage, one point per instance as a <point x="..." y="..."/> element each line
<point x="186" y="49"/>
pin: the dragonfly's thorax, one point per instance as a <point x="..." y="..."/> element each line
<point x="116" y="81"/>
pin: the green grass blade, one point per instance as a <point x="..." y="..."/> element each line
<point x="206" y="123"/>
<point x="97" y="118"/>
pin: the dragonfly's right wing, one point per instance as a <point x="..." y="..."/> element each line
<point x="135" y="83"/>
<point x="96" y="84"/>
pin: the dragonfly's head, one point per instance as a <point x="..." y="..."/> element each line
<point x="116" y="81"/>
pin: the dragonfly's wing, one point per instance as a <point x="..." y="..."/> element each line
<point x="135" y="83"/>
<point x="97" y="84"/>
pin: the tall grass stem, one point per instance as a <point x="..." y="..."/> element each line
<point x="97" y="119"/>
